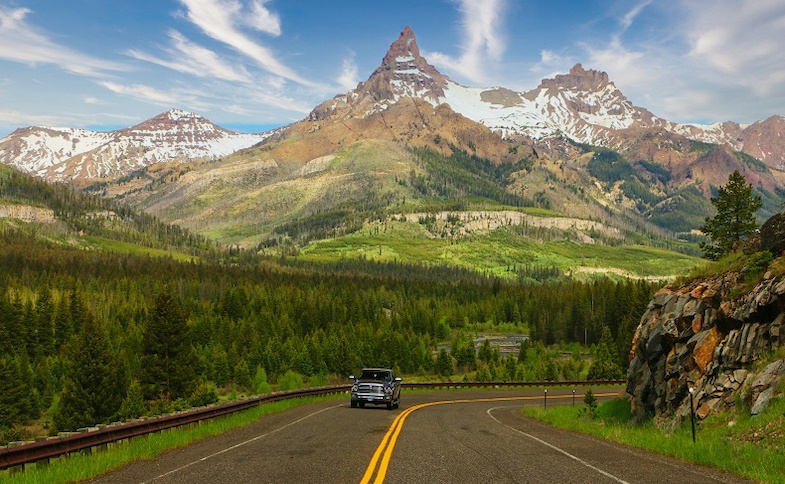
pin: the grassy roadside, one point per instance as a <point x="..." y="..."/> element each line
<point x="752" y="447"/>
<point x="80" y="467"/>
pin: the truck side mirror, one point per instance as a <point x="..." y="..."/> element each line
<point x="398" y="379"/>
<point x="351" y="377"/>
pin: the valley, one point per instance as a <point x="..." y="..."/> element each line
<point x="175" y="263"/>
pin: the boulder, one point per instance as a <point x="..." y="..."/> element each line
<point x="772" y="234"/>
<point x="762" y="401"/>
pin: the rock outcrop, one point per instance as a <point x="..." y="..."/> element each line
<point x="700" y="336"/>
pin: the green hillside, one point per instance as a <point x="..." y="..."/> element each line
<point x="501" y="253"/>
<point x="58" y="214"/>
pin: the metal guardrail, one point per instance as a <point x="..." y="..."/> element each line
<point x="15" y="456"/>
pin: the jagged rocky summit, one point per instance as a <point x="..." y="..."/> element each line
<point x="701" y="336"/>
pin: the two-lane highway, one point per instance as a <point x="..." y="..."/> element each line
<point x="447" y="436"/>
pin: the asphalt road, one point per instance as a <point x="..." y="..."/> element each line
<point x="429" y="439"/>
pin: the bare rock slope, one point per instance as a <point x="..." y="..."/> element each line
<point x="702" y="336"/>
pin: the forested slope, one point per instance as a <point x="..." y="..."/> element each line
<point x="62" y="308"/>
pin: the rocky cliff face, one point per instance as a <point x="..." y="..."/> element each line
<point x="700" y="336"/>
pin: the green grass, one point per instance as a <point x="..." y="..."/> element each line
<point x="129" y="248"/>
<point x="752" y="447"/>
<point x="79" y="467"/>
<point x="497" y="253"/>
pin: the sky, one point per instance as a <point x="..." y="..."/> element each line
<point x="251" y="65"/>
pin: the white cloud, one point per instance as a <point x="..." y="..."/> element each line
<point x="715" y="64"/>
<point x="223" y="21"/>
<point x="550" y="60"/>
<point x="629" y="67"/>
<point x="190" y="58"/>
<point x="348" y="78"/>
<point x="143" y="93"/>
<point x="20" y="42"/>
<point x="629" y="17"/>
<point x="16" y="118"/>
<point x="741" y="39"/>
<point x="262" y="19"/>
<point x="481" y="21"/>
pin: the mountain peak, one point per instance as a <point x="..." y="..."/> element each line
<point x="578" y="79"/>
<point x="404" y="47"/>
<point x="175" y="114"/>
<point x="405" y="73"/>
<point x="177" y="120"/>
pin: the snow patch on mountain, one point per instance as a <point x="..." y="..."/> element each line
<point x="63" y="154"/>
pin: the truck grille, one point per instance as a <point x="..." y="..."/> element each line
<point x="365" y="388"/>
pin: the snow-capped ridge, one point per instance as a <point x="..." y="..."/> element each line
<point x="583" y="104"/>
<point x="62" y="154"/>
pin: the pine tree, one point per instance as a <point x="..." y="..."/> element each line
<point x="485" y="354"/>
<point x="444" y="363"/>
<point x="169" y="358"/>
<point x="13" y="396"/>
<point x="735" y="219"/>
<point x="93" y="389"/>
<point x="605" y="366"/>
<point x="44" y="311"/>
<point x="133" y="404"/>
<point x="63" y="327"/>
<point x="5" y="325"/>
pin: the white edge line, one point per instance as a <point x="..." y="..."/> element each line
<point x="243" y="443"/>
<point x="578" y="459"/>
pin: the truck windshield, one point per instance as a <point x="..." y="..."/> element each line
<point x="375" y="375"/>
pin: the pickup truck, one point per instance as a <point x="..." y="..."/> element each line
<point x="377" y="386"/>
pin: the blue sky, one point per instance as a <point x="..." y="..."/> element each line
<point x="254" y="64"/>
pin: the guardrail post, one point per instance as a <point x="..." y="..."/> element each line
<point x="573" y="398"/>
<point x="545" y="400"/>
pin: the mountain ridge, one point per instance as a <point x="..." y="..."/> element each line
<point x="69" y="154"/>
<point x="574" y="145"/>
<point x="583" y="105"/>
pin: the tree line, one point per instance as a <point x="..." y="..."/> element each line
<point x="98" y="336"/>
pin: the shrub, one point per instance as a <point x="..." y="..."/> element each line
<point x="591" y="403"/>
<point x="291" y="380"/>
<point x="205" y="394"/>
<point x="260" y="384"/>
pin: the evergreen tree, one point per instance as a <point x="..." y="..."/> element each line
<point x="444" y="363"/>
<point x="13" y="394"/>
<point x="5" y="324"/>
<point x="16" y="330"/>
<point x="62" y="325"/>
<point x="242" y="376"/>
<point x="93" y="389"/>
<point x="133" y="404"/>
<point x="485" y="354"/>
<point x="44" y="312"/>
<point x="605" y="366"/>
<point x="511" y="365"/>
<point x="735" y="219"/>
<point x="169" y="359"/>
<point x="31" y="402"/>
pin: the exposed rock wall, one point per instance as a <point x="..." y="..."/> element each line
<point x="699" y="336"/>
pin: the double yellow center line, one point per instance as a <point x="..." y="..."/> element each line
<point x="381" y="458"/>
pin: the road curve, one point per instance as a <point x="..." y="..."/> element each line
<point x="469" y="442"/>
